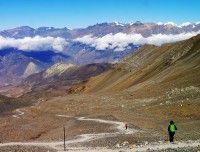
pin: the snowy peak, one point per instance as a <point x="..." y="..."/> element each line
<point x="102" y="29"/>
<point x="170" y="24"/>
<point x="182" y="25"/>
<point x="118" y="24"/>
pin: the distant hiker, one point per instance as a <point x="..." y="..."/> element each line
<point x="126" y="125"/>
<point x="171" y="129"/>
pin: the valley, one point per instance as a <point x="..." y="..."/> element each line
<point x="42" y="123"/>
<point x="147" y="89"/>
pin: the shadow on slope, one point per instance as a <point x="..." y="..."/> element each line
<point x="151" y="68"/>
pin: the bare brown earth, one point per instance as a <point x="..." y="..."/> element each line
<point x="150" y="116"/>
<point x="165" y="67"/>
<point x="147" y="90"/>
<point x="25" y="149"/>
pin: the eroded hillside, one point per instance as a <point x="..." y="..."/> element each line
<point x="152" y="68"/>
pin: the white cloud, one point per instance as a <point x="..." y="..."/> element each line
<point x="120" y="41"/>
<point x="36" y="43"/>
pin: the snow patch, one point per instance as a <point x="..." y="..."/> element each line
<point x="119" y="24"/>
<point x="160" y="23"/>
<point x="184" y="24"/>
<point x="131" y="23"/>
<point x="170" y="23"/>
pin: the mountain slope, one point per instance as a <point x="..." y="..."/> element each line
<point x="58" y="76"/>
<point x="152" y="68"/>
<point x="16" y="64"/>
<point x="104" y="42"/>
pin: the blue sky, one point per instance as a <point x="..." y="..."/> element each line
<point x="82" y="13"/>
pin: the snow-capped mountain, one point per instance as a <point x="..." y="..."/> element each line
<point x="25" y="50"/>
<point x="146" y="29"/>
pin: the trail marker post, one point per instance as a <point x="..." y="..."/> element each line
<point x="64" y="140"/>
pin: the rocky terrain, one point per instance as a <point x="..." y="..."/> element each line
<point x="16" y="64"/>
<point x="59" y="76"/>
<point x="25" y="149"/>
<point x="146" y="90"/>
<point x="152" y="69"/>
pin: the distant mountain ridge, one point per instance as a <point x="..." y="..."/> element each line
<point x="102" y="29"/>
<point x="16" y="64"/>
<point x="59" y="76"/>
<point x="99" y="43"/>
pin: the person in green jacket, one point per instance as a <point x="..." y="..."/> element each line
<point x="172" y="129"/>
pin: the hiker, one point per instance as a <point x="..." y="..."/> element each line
<point x="126" y="125"/>
<point x="171" y="129"/>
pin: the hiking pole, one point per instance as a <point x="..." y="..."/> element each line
<point x="64" y="140"/>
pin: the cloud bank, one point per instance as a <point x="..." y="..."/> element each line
<point x="120" y="41"/>
<point x="117" y="42"/>
<point x="36" y="43"/>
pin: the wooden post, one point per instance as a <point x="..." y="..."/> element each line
<point x="64" y="140"/>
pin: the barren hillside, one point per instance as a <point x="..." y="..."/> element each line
<point x="146" y="90"/>
<point x="152" y="68"/>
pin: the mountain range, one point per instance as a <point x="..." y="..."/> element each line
<point x="25" y="50"/>
<point x="102" y="29"/>
<point x="150" y="69"/>
<point x="16" y="64"/>
<point x="146" y="89"/>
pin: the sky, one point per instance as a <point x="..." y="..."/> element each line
<point x="82" y="13"/>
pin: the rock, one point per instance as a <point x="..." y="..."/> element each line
<point x="146" y="143"/>
<point x="118" y="146"/>
<point x="125" y="143"/>
<point x="160" y="142"/>
<point x="132" y="146"/>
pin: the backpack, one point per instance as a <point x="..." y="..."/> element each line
<point x="172" y="128"/>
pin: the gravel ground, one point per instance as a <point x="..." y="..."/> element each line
<point x="185" y="149"/>
<point x="26" y="149"/>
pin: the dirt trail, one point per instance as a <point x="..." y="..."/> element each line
<point x="120" y="125"/>
<point x="58" y="145"/>
<point x="81" y="138"/>
<point x="20" y="113"/>
<point x="140" y="148"/>
<point x="88" y="137"/>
